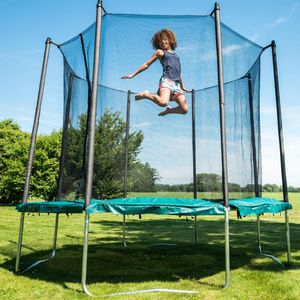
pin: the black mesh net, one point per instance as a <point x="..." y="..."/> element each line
<point x="159" y="156"/>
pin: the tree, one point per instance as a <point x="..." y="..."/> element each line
<point x="43" y="183"/>
<point x="74" y="164"/>
<point x="109" y="164"/>
<point x="109" y="157"/>
<point x="143" y="177"/>
<point x="14" y="145"/>
<point x="209" y="182"/>
<point x="271" y="188"/>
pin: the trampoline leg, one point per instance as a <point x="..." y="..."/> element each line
<point x="196" y="232"/>
<point x="55" y="234"/>
<point x="124" y="231"/>
<point x="227" y="249"/>
<point x="85" y="255"/>
<point x="275" y="259"/>
<point x="53" y="250"/>
<point x="84" y="271"/>
<point x="288" y="241"/>
<point x="258" y="235"/>
<point x="21" y="230"/>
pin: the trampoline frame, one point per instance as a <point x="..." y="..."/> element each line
<point x="91" y="141"/>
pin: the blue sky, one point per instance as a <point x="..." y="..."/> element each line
<point x="25" y="25"/>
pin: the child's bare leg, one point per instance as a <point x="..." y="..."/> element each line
<point x="182" y="107"/>
<point x="161" y="100"/>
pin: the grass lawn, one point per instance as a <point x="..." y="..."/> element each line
<point x="144" y="265"/>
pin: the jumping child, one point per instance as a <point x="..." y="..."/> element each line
<point x="171" y="86"/>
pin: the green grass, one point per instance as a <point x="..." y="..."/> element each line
<point x="142" y="265"/>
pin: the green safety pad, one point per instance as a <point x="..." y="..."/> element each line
<point x="73" y="207"/>
<point x="258" y="206"/>
<point x="155" y="205"/>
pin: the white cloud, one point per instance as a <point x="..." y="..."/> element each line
<point x="255" y="37"/>
<point x="283" y="19"/>
<point x="228" y="50"/>
<point x="277" y="22"/>
<point x="231" y="48"/>
<point x="141" y="125"/>
<point x="24" y="118"/>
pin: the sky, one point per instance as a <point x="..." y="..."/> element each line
<point x="25" y="25"/>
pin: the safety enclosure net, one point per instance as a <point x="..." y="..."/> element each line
<point x="158" y="154"/>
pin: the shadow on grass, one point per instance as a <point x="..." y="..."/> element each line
<point x="110" y="262"/>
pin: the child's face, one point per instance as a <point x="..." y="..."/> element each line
<point x="164" y="43"/>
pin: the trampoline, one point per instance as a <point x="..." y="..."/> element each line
<point x="113" y="147"/>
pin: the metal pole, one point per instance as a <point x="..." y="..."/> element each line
<point x="258" y="234"/>
<point x="279" y="123"/>
<point x="223" y="139"/>
<point x="260" y="250"/>
<point x="194" y="157"/>
<point x="227" y="248"/>
<point x="36" y="120"/>
<point x="83" y="167"/>
<point x="124" y="231"/>
<point x="253" y="144"/>
<point x="18" y="258"/>
<point x="281" y="147"/>
<point x="93" y="104"/>
<point x="126" y="143"/>
<point x="288" y="240"/>
<point x="64" y="137"/>
<point x="85" y="255"/>
<point x="53" y="252"/>
<point x="194" y="145"/>
<point x="222" y="104"/>
<point x="32" y="147"/>
<point x="126" y="161"/>
<point x="91" y="143"/>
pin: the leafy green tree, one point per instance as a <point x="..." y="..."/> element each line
<point x="74" y="164"/>
<point x="109" y="163"/>
<point x="14" y="145"/>
<point x="209" y="182"/>
<point x="234" y="187"/>
<point x="109" y="157"/>
<point x="293" y="189"/>
<point x="271" y="187"/>
<point x="43" y="183"/>
<point x="143" y="177"/>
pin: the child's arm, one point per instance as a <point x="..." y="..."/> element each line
<point x="182" y="85"/>
<point x="157" y="55"/>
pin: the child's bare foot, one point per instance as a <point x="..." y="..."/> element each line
<point x="166" y="111"/>
<point x="141" y="95"/>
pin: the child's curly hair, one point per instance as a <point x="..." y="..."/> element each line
<point x="158" y="36"/>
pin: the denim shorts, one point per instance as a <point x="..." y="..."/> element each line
<point x="173" y="86"/>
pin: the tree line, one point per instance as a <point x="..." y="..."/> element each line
<point x="217" y="187"/>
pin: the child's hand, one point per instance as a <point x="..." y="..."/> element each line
<point x="127" y="76"/>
